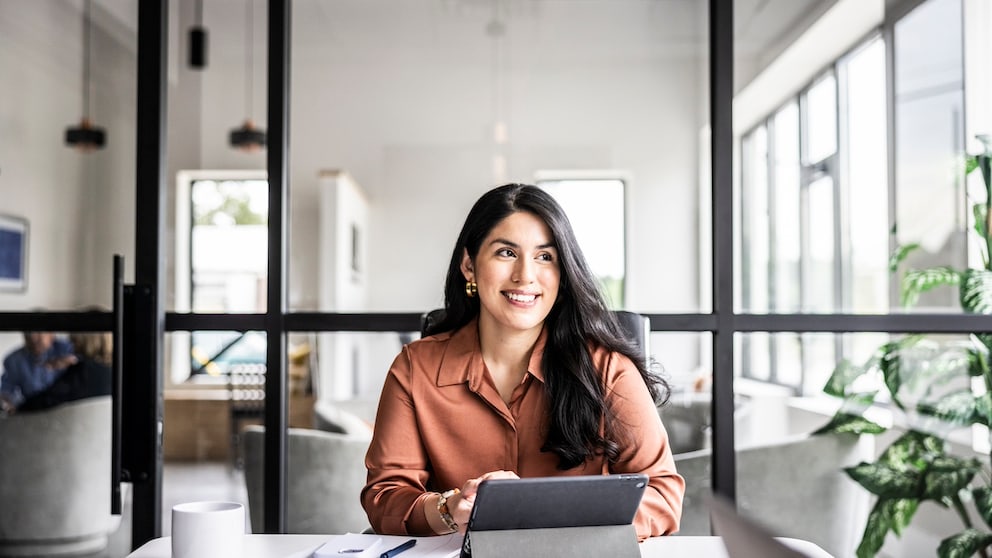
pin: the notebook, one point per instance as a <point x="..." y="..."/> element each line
<point x="552" y="502"/>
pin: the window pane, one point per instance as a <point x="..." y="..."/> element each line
<point x="818" y="283"/>
<point x="867" y="186"/>
<point x="229" y="245"/>
<point x="929" y="141"/>
<point x="821" y="119"/>
<point x="785" y="290"/>
<point x="788" y="359"/>
<point x="596" y="210"/>
<point x="754" y="223"/>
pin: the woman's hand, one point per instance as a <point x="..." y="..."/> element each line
<point x="460" y="505"/>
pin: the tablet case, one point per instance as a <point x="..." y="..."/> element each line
<point x="555" y="516"/>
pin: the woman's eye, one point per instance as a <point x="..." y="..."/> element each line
<point x="546" y="257"/>
<point x="505" y="253"/>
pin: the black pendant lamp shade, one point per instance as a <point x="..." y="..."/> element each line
<point x="86" y="136"/>
<point x="198" y="41"/>
<point x="198" y="48"/>
<point x="248" y="137"/>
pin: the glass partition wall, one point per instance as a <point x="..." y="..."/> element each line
<point x="400" y="116"/>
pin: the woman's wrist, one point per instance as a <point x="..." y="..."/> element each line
<point x="433" y="513"/>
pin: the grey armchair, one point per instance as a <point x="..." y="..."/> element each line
<point x="333" y="417"/>
<point x="325" y="472"/>
<point x="55" y="480"/>
<point x="795" y="487"/>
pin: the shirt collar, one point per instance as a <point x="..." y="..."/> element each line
<point x="462" y="359"/>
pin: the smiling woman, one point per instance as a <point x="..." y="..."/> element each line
<point x="535" y="367"/>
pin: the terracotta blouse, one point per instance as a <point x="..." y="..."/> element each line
<point x="441" y="421"/>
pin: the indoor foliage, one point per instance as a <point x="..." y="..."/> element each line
<point x="928" y="382"/>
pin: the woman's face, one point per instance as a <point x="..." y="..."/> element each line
<point x="518" y="273"/>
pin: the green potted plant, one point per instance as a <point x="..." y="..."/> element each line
<point x="928" y="382"/>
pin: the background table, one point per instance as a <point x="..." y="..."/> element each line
<point x="300" y="546"/>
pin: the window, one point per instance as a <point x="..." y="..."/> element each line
<point x="221" y="267"/>
<point x="595" y="207"/>
<point x="814" y="181"/>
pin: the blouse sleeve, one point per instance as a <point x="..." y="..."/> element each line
<point x="644" y="449"/>
<point x="396" y="461"/>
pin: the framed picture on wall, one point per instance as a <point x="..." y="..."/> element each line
<point x="13" y="253"/>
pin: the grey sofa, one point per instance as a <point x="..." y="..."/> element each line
<point x="55" y="480"/>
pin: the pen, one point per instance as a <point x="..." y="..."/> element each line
<point x="394" y="551"/>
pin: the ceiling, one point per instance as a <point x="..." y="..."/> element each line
<point x="363" y="29"/>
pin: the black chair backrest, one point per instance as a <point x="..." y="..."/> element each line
<point x="429" y="320"/>
<point x="636" y="326"/>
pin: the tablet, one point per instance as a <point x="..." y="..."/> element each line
<point x="550" y="502"/>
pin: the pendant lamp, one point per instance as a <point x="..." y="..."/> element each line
<point x="198" y="41"/>
<point x="496" y="31"/>
<point x="86" y="136"/>
<point x="248" y="137"/>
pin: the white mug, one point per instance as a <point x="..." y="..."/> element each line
<point x="208" y="530"/>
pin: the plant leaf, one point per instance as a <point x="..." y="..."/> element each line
<point x="980" y="212"/>
<point x="919" y="281"/>
<point x="888" y="363"/>
<point x="983" y="503"/>
<point x="957" y="408"/>
<point x="983" y="409"/>
<point x="976" y="291"/>
<point x="978" y="358"/>
<point x="888" y="482"/>
<point x="970" y="164"/>
<point x="889" y="360"/>
<point x="900" y="254"/>
<point x="913" y="449"/>
<point x="887" y="514"/>
<point x="948" y="475"/>
<point x="964" y="544"/>
<point x="842" y="377"/>
<point x="854" y="424"/>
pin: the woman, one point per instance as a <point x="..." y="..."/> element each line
<point x="528" y="374"/>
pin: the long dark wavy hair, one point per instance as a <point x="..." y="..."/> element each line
<point x="578" y="318"/>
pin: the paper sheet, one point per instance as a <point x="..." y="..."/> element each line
<point x="444" y="546"/>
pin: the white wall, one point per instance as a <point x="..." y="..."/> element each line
<point x="80" y="206"/>
<point x="411" y="120"/>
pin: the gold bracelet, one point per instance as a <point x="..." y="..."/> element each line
<point x="442" y="509"/>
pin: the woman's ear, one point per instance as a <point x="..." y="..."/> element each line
<point x="467" y="267"/>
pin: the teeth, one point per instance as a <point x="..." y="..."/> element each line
<point x="520" y="297"/>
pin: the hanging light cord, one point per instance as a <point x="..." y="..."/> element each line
<point x="199" y="13"/>
<point x="86" y="60"/>
<point x="249" y="60"/>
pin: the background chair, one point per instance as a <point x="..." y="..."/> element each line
<point x="325" y="476"/>
<point x="795" y="488"/>
<point x="331" y="417"/>
<point x="55" y="480"/>
<point x="246" y="394"/>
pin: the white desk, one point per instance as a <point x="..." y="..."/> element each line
<point x="300" y="546"/>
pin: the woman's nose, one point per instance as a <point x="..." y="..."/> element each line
<point x="524" y="271"/>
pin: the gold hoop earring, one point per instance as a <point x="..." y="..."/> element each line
<point x="471" y="288"/>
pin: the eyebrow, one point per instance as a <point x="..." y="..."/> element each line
<point x="515" y="245"/>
